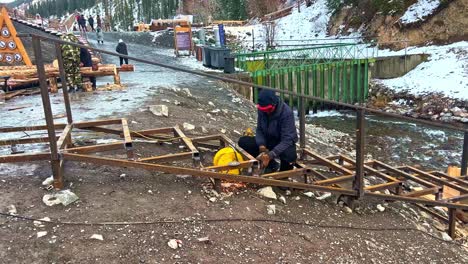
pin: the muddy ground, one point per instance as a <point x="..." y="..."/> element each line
<point x="328" y="233"/>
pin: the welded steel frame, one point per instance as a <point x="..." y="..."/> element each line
<point x="60" y="152"/>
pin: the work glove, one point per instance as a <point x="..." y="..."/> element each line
<point x="264" y="158"/>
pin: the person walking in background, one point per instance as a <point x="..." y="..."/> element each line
<point x="91" y="22"/>
<point x="99" y="35"/>
<point x="122" y="49"/>
<point x="82" y="23"/>
<point x="98" y="21"/>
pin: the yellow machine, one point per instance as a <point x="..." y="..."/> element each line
<point x="227" y="156"/>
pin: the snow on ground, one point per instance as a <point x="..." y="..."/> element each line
<point x="308" y="26"/>
<point x="419" y="11"/>
<point x="446" y="71"/>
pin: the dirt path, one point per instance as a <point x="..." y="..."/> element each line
<point x="108" y="196"/>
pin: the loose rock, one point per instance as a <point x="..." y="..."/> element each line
<point x="271" y="209"/>
<point x="267" y="192"/>
<point x="159" y="110"/>
<point x="97" y="237"/>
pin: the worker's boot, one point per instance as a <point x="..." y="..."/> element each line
<point x="272" y="167"/>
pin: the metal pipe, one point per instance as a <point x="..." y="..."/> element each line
<point x="464" y="161"/>
<point x="63" y="80"/>
<point x="54" y="158"/>
<point x="358" y="184"/>
<point x="463" y="128"/>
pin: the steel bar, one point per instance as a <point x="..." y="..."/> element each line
<point x="25" y="141"/>
<point x="464" y="161"/>
<point x="29" y="128"/>
<point x="168" y="157"/>
<point x="150" y="132"/>
<point x="382" y="186"/>
<point x="456" y="198"/>
<point x="199" y="173"/>
<point x="433" y="178"/>
<point x="95" y="123"/>
<point x="404" y="174"/>
<point x="371" y="170"/>
<point x="63" y="80"/>
<point x="390" y="197"/>
<point x="328" y="163"/>
<point x="287" y="174"/>
<point x="358" y="184"/>
<point x="452" y="222"/>
<point x="456" y="179"/>
<point x="103" y="130"/>
<point x="234" y="145"/>
<point x="188" y="143"/>
<point x="339" y="179"/>
<point x="64" y="138"/>
<point x="422" y="192"/>
<point x="127" y="139"/>
<point x="205" y="138"/>
<point x="96" y="148"/>
<point x="248" y="84"/>
<point x="25" y="157"/>
<point x="54" y="158"/>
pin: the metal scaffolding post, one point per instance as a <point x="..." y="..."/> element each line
<point x="54" y="158"/>
<point x="358" y="184"/>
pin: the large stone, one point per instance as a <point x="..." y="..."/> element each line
<point x="188" y="126"/>
<point x="159" y="110"/>
<point x="267" y="192"/>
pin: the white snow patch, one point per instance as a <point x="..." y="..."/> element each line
<point x="419" y="11"/>
<point x="446" y="72"/>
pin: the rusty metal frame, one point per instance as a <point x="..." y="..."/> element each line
<point x="343" y="172"/>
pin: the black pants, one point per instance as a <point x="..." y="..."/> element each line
<point x="93" y="82"/>
<point x="122" y="60"/>
<point x="287" y="158"/>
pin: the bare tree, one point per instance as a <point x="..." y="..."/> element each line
<point x="270" y="33"/>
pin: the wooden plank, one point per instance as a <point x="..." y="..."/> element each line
<point x="25" y="157"/>
<point x="168" y="157"/>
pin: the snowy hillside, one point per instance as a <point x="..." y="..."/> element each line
<point x="446" y="72"/>
<point x="419" y="10"/>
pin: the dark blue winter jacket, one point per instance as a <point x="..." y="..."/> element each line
<point x="276" y="131"/>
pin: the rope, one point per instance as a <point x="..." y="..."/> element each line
<point x="218" y="220"/>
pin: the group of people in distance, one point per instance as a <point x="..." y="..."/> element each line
<point x="83" y="23"/>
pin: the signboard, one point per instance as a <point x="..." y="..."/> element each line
<point x="11" y="47"/>
<point x="183" y="39"/>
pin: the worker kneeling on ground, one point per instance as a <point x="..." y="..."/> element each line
<point x="276" y="134"/>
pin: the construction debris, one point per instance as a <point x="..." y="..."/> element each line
<point x="174" y="243"/>
<point x="48" y="181"/>
<point x="41" y="234"/>
<point x="324" y="196"/>
<point x="97" y="237"/>
<point x="271" y="209"/>
<point x="12" y="209"/>
<point x="380" y="207"/>
<point x="267" y="192"/>
<point x="188" y="127"/>
<point x="64" y="197"/>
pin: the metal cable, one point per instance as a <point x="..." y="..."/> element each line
<point x="264" y="220"/>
